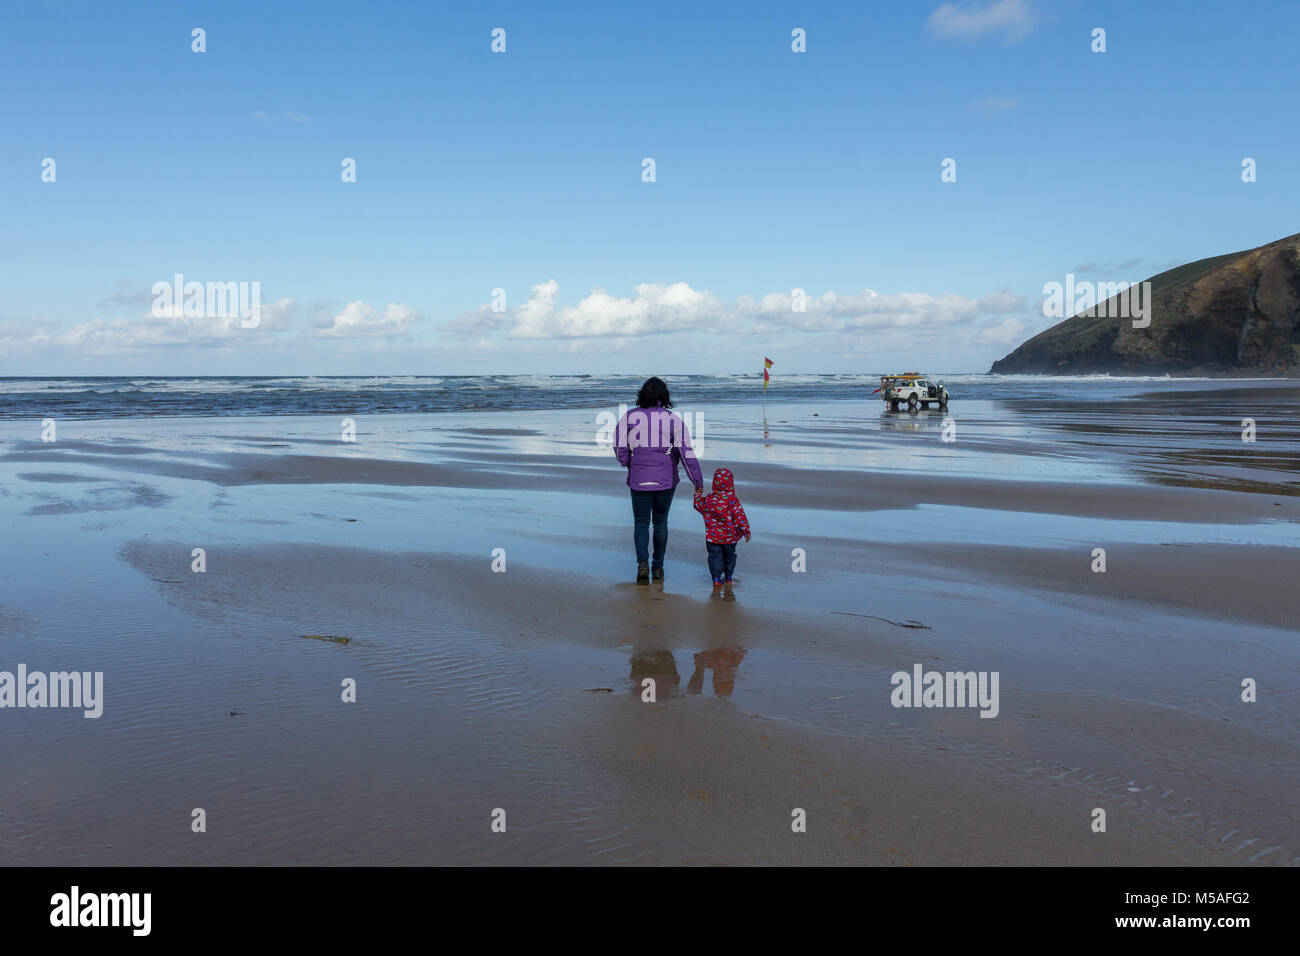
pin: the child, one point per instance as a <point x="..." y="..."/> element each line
<point x="724" y="524"/>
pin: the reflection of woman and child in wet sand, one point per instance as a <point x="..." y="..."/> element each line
<point x="661" y="667"/>
<point x="650" y="442"/>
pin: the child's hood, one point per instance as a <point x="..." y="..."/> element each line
<point x="724" y="483"/>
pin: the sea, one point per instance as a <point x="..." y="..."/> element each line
<point x="221" y="396"/>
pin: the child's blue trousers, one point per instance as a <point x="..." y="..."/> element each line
<point x="722" y="560"/>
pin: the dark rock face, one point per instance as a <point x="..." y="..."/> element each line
<point x="1237" y="314"/>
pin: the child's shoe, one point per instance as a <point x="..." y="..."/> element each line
<point x="642" y="573"/>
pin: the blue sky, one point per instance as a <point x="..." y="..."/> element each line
<point x="775" y="170"/>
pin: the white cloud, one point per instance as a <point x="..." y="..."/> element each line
<point x="541" y="303"/>
<point x="1006" y="332"/>
<point x="832" y="324"/>
<point x="872" y="311"/>
<point x="1012" y="18"/>
<point x="148" y="331"/>
<point x="275" y="315"/>
<point x="866" y="310"/>
<point x="21" y="338"/>
<point x="675" y="308"/>
<point x="359" y="320"/>
<point x="654" y="308"/>
<point x="126" y="294"/>
<point x="173" y="329"/>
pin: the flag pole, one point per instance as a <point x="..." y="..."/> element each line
<point x="767" y="364"/>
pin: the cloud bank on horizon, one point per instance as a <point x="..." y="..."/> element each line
<point x="597" y="322"/>
<point x="659" y="309"/>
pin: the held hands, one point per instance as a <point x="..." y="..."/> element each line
<point x="699" y="489"/>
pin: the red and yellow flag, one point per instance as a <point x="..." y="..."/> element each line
<point x="767" y="364"/>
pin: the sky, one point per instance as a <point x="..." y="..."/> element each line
<point x="524" y="171"/>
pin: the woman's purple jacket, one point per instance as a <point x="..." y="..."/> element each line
<point x="649" y="442"/>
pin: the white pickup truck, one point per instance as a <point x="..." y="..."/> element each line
<point x="913" y="390"/>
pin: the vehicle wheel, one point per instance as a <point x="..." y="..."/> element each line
<point x="911" y="402"/>
<point x="943" y="400"/>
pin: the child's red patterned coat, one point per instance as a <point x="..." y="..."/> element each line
<point x="724" y="518"/>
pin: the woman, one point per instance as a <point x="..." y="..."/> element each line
<point x="649" y="443"/>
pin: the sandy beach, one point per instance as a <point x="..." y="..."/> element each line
<point x="522" y="689"/>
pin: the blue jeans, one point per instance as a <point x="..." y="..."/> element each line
<point x="648" y="505"/>
<point x="722" y="560"/>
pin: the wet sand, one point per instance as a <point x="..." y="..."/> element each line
<point x="522" y="690"/>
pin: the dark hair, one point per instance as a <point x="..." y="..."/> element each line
<point x="653" y="394"/>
